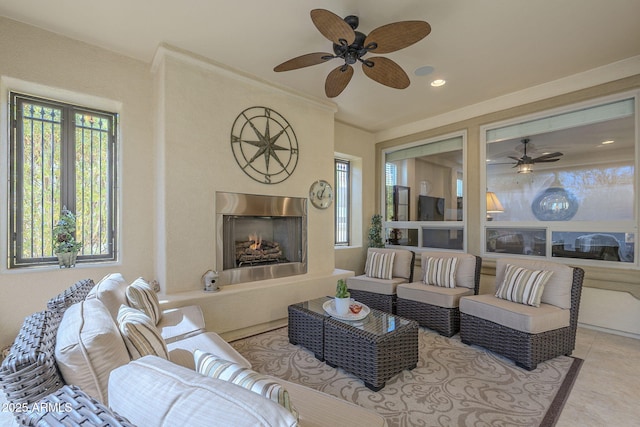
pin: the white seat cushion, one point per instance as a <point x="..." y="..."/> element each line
<point x="179" y="323"/>
<point x="378" y="286"/>
<point x="521" y="317"/>
<point x="181" y="352"/>
<point x="434" y="295"/>
<point x="154" y="392"/>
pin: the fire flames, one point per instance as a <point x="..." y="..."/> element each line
<point x="257" y="241"/>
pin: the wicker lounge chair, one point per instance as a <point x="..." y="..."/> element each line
<point x="436" y="307"/>
<point x="525" y="334"/>
<point x="381" y="293"/>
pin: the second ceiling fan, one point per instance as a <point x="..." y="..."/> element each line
<point x="351" y="46"/>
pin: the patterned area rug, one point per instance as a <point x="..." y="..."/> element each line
<point x="453" y="384"/>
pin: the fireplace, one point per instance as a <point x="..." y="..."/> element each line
<point x="260" y="237"/>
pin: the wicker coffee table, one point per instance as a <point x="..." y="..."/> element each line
<point x="373" y="349"/>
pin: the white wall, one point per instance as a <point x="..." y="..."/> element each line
<point x="197" y="107"/>
<point x="42" y="63"/>
<point x="358" y="144"/>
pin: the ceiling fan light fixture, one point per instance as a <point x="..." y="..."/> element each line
<point x="438" y="82"/>
<point x="525" y="168"/>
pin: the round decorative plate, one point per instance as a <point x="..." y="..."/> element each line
<point x="330" y="308"/>
<point x="555" y="204"/>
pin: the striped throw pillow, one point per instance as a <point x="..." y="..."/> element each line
<point x="440" y="272"/>
<point x="140" y="334"/>
<point x="141" y="295"/>
<point x="215" y="367"/>
<point x="522" y="285"/>
<point x="379" y="265"/>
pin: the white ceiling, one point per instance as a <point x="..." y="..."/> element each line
<point x="484" y="49"/>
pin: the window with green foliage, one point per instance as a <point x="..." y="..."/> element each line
<point x="61" y="157"/>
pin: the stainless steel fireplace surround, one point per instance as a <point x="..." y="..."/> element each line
<point x="260" y="237"/>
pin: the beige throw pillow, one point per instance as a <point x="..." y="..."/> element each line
<point x="140" y="334"/>
<point x="215" y="367"/>
<point x="440" y="272"/>
<point x="379" y="265"/>
<point x="142" y="296"/>
<point x="522" y="285"/>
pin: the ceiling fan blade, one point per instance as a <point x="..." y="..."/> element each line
<point x="304" y="61"/>
<point x="548" y="156"/>
<point x="515" y="158"/>
<point x="332" y="26"/>
<point x="386" y="72"/>
<point x="398" y="35"/>
<point x="545" y="160"/>
<point x="337" y="80"/>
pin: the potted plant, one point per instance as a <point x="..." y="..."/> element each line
<point x="343" y="298"/>
<point x="375" y="232"/>
<point x="65" y="245"/>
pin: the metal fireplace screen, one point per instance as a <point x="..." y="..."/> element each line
<point x="260" y="237"/>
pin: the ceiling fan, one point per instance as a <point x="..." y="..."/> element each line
<point x="525" y="163"/>
<point x="351" y="46"/>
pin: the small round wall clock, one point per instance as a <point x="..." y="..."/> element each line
<point x="264" y="145"/>
<point x="321" y="194"/>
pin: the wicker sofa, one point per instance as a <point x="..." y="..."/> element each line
<point x="147" y="391"/>
<point x="526" y="334"/>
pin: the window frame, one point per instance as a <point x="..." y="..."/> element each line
<point x="338" y="197"/>
<point x="67" y="177"/>
<point x="551" y="227"/>
<point x="425" y="226"/>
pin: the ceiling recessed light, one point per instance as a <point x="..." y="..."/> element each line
<point x="607" y="142"/>
<point x="423" y="71"/>
<point x="438" y="83"/>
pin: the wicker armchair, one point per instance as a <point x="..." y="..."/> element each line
<point x="30" y="371"/>
<point x="381" y="293"/>
<point x="435" y="307"/>
<point x="525" y="334"/>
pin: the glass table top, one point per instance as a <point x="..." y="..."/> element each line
<point x="377" y="322"/>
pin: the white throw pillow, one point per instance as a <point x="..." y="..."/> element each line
<point x="111" y="291"/>
<point x="440" y="272"/>
<point x="522" y="285"/>
<point x="89" y="347"/>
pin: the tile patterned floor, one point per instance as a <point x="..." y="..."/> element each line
<point x="607" y="389"/>
<point x="605" y="393"/>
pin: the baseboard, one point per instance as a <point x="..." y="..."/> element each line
<point x="609" y="331"/>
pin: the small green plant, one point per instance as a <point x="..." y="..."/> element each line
<point x="64" y="234"/>
<point x="341" y="289"/>
<point x="375" y="232"/>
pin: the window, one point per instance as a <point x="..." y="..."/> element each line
<point x="572" y="195"/>
<point x="62" y="156"/>
<point x="424" y="193"/>
<point x="342" y="196"/>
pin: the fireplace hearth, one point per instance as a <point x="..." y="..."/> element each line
<point x="260" y="237"/>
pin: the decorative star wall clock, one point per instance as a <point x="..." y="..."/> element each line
<point x="264" y="145"/>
